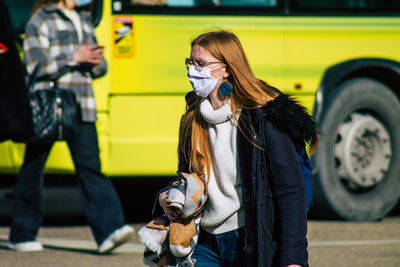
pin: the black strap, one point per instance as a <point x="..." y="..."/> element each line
<point x="54" y="76"/>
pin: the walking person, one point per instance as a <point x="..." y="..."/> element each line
<point x="58" y="36"/>
<point x="243" y="136"/>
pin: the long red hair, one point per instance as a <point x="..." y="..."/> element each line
<point x="248" y="92"/>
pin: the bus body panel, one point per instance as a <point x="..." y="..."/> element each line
<point x="313" y="44"/>
<point x="144" y="134"/>
<point x="161" y="44"/>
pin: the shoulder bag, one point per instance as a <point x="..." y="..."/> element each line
<point x="55" y="111"/>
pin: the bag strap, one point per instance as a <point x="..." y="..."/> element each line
<point x="33" y="79"/>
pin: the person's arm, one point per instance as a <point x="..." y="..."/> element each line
<point x="98" y="70"/>
<point x="38" y="49"/>
<point x="287" y="186"/>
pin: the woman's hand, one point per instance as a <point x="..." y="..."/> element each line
<point x="89" y="53"/>
<point x="173" y="214"/>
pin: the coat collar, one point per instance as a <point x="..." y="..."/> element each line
<point x="284" y="113"/>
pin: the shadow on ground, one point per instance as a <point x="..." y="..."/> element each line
<point x="64" y="207"/>
<point x="137" y="194"/>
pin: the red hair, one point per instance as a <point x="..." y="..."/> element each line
<point x="248" y="92"/>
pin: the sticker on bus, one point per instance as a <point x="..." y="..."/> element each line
<point x="123" y="36"/>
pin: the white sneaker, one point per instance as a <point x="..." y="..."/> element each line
<point x="115" y="239"/>
<point x="27" y="246"/>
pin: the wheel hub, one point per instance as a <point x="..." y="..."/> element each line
<point x="362" y="151"/>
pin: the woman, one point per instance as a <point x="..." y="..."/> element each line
<point x="60" y="39"/>
<point x="243" y="136"/>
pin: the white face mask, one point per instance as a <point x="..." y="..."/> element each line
<point x="202" y="81"/>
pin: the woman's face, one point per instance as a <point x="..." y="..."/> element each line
<point x="201" y="55"/>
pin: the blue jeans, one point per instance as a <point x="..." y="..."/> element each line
<point x="101" y="202"/>
<point x="218" y="250"/>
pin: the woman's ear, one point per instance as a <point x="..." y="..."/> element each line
<point x="226" y="73"/>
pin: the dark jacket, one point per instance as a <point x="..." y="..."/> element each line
<point x="273" y="192"/>
<point x="15" y="112"/>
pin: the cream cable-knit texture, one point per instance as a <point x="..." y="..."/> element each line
<point x="212" y="116"/>
<point x="223" y="212"/>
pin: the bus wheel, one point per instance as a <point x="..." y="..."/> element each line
<point x="358" y="161"/>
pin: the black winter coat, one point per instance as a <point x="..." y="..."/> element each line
<point x="15" y="111"/>
<point x="273" y="191"/>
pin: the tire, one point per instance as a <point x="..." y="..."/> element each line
<point x="358" y="160"/>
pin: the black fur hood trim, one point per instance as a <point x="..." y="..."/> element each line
<point x="288" y="115"/>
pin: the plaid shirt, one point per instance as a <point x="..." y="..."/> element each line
<point x="51" y="40"/>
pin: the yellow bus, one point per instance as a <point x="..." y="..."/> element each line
<point x="340" y="58"/>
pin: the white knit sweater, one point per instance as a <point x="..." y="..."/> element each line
<point x="223" y="211"/>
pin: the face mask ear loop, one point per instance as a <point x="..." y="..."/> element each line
<point x="216" y="68"/>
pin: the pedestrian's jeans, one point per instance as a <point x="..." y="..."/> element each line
<point x="218" y="250"/>
<point x="101" y="202"/>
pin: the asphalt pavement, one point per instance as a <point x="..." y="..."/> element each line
<point x="331" y="243"/>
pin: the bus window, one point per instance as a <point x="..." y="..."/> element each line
<point x="149" y="2"/>
<point x="346" y="5"/>
<point x="256" y="3"/>
<point x="203" y="3"/>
